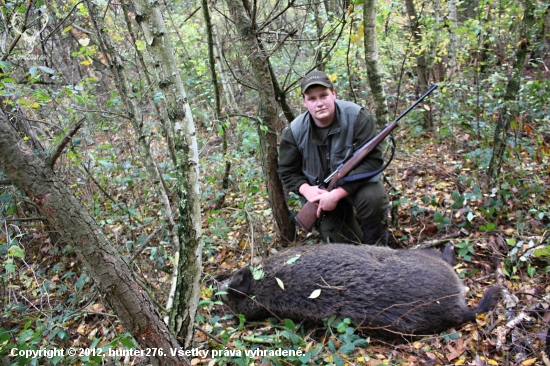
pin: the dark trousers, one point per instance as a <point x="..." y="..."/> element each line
<point x="371" y="204"/>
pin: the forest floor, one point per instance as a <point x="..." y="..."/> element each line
<point x="496" y="234"/>
<point x="501" y="237"/>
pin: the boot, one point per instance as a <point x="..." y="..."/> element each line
<point x="375" y="229"/>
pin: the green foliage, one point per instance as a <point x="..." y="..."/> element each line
<point x="105" y="170"/>
<point x="465" y="248"/>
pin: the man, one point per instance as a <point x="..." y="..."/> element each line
<point x="317" y="142"/>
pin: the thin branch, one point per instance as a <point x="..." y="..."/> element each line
<point x="193" y="13"/>
<point x="62" y="21"/>
<point x="144" y="244"/>
<point x="280" y="44"/>
<point x="130" y="214"/>
<point x="289" y="5"/>
<point x="243" y="115"/>
<point x="235" y="76"/>
<point x="5" y="182"/>
<point x="61" y="146"/>
<point x="320" y="62"/>
<point x="223" y="15"/>
<point x="210" y="335"/>
<point x="39" y="218"/>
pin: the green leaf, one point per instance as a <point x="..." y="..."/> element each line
<point x="257" y="273"/>
<point x="280" y="283"/>
<point x="293" y="259"/>
<point x="347" y="348"/>
<point x="127" y="343"/>
<point x="289" y="324"/>
<point x="140" y="45"/>
<point x="490" y="227"/>
<point x="25" y="336"/>
<point x="544" y="252"/>
<point x="15" y="251"/>
<point x="454" y="336"/>
<point x="343" y="325"/>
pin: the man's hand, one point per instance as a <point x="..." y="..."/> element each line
<point x="326" y="201"/>
<point x="310" y="192"/>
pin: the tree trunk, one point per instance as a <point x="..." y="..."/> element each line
<point x="161" y="112"/>
<point x="267" y="111"/>
<point x="453" y="44"/>
<point x="217" y="98"/>
<point x="319" y="28"/>
<point x="188" y="267"/>
<point x="421" y="61"/>
<point x="106" y="267"/>
<point x="373" y="68"/>
<point x="227" y="88"/>
<point x="280" y="96"/>
<point x="512" y="89"/>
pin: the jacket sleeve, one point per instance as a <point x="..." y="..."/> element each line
<point x="365" y="130"/>
<point x="290" y="163"/>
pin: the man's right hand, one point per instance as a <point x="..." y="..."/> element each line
<point x="310" y="192"/>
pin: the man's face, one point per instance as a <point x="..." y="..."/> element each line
<point x="319" y="101"/>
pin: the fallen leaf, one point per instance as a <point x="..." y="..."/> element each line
<point x="315" y="294"/>
<point x="280" y="283"/>
<point x="529" y="362"/>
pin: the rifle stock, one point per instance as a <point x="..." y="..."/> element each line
<point x="307" y="216"/>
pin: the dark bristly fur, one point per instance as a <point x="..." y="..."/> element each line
<point x="388" y="292"/>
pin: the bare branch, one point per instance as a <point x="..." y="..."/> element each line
<point x="62" y="21"/>
<point x="144" y="244"/>
<point x="59" y="149"/>
<point x="39" y="218"/>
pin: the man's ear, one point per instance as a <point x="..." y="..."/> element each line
<point x="240" y="283"/>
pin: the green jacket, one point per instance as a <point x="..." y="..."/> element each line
<point x="351" y="128"/>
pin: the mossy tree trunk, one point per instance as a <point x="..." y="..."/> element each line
<point x="373" y="67"/>
<point x="422" y="70"/>
<point x="188" y="258"/>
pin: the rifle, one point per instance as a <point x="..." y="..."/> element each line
<point x="307" y="216"/>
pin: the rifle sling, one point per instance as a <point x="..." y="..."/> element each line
<point x="367" y="175"/>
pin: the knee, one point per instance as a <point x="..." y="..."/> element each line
<point x="371" y="200"/>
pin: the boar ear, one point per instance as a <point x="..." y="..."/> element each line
<point x="449" y="254"/>
<point x="241" y="281"/>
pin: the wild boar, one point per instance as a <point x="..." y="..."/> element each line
<point x="386" y="292"/>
